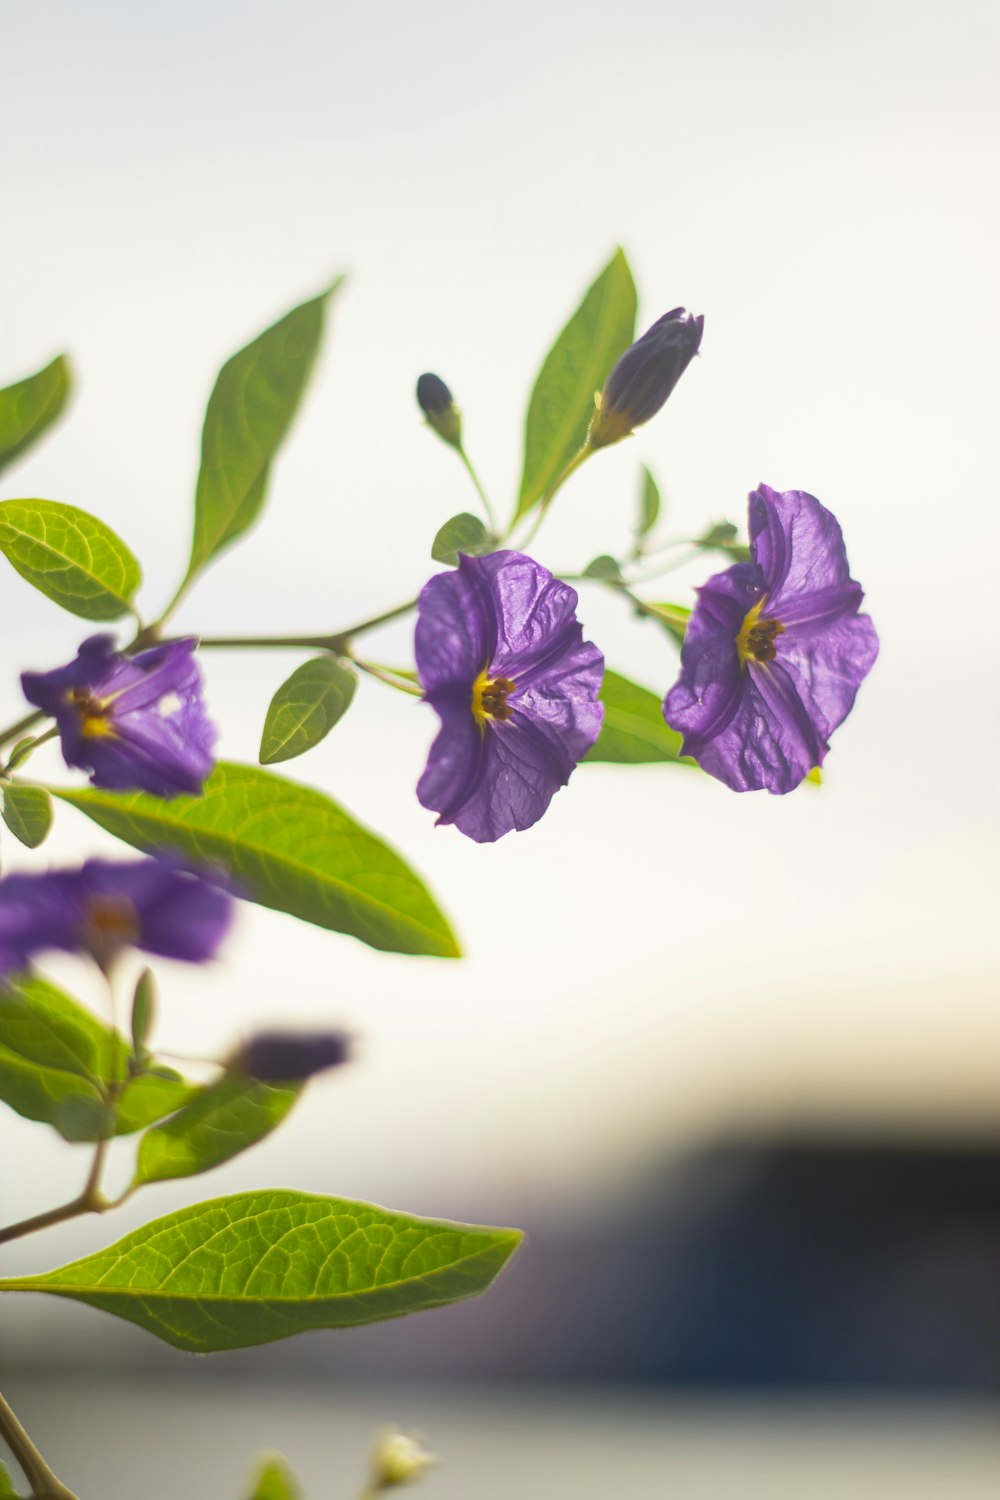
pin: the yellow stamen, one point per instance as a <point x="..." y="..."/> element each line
<point x="489" y="698"/>
<point x="755" y="641"/>
<point x="95" y="714"/>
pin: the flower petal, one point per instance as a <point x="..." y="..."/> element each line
<point x="828" y="667"/>
<point x="707" y="694"/>
<point x="456" y="628"/>
<point x="799" y="546"/>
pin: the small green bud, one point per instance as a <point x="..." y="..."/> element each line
<point x="438" y="406"/>
<point x="143" y="1011"/>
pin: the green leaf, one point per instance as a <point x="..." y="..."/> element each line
<point x="463" y="533"/>
<point x="249" y="413"/>
<point x="722" y="538"/>
<point x="287" y="847"/>
<point x="56" y="1061"/>
<point x="634" y="731"/>
<point x="8" y="1492"/>
<point x="306" y="707"/>
<point x="562" y="402"/>
<point x="673" y="618"/>
<point x="274" y="1481"/>
<point x="27" y="811"/>
<point x="216" y="1124"/>
<point x="261" y="1266"/>
<point x="72" y="557"/>
<point x="649" y="504"/>
<point x="28" y="408"/>
<point x="604" y="567"/>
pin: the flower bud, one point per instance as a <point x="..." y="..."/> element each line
<point x="289" y="1057"/>
<point x="645" y="375"/>
<point x="438" y="406"/>
<point x="398" y="1459"/>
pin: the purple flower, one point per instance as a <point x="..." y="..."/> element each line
<point x="289" y="1057"/>
<point x="775" y="650"/>
<point x="137" y="723"/>
<point x="644" y="376"/>
<point x="106" y="906"/>
<point x="503" y="662"/>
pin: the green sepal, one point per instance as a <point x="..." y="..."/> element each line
<point x="27" y="812"/>
<point x="673" y="618"/>
<point x="257" y="1267"/>
<point x="70" y="556"/>
<point x="143" y="1012"/>
<point x="562" y="401"/>
<point x="29" y="407"/>
<point x="634" y="731"/>
<point x="462" y="533"/>
<point x="284" y="846"/>
<point x="306" y="707"/>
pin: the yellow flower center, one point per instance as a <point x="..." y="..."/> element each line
<point x="110" y="922"/>
<point x="95" y="714"/>
<point x="755" y="641"/>
<point x="489" y="698"/>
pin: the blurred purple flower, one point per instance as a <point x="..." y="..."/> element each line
<point x="137" y="723"/>
<point x="290" y="1057"/>
<point x="775" y="650"/>
<point x="106" y="906"/>
<point x="644" y="376"/>
<point x="503" y="662"/>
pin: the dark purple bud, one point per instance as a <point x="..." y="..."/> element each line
<point x="645" y="375"/>
<point x="290" y="1057"/>
<point x="438" y="406"/>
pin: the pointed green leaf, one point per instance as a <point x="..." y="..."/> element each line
<point x="28" y="408"/>
<point x="649" y="504"/>
<point x="274" y="1481"/>
<point x="8" y="1492"/>
<point x="562" y="402"/>
<point x="249" y="413"/>
<point x="673" y="618"/>
<point x="56" y="1060"/>
<point x="217" y="1123"/>
<point x="604" y="567"/>
<point x="27" y="811"/>
<point x="287" y="847"/>
<point x="463" y="533"/>
<point x="261" y="1266"/>
<point x="71" y="556"/>
<point x="306" y="707"/>
<point x="634" y="731"/>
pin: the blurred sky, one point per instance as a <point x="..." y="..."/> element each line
<point x="658" y="959"/>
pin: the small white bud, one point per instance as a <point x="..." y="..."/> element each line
<point x="399" y="1459"/>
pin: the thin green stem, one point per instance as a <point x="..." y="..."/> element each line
<point x="487" y="507"/>
<point x="550" y="494"/>
<point x="44" y="1484"/>
<point x="338" y="643"/>
<point x="388" y="677"/>
<point x="89" y="1201"/>
<point x="20" y="756"/>
<point x="18" y="730"/>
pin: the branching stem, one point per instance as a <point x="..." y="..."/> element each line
<point x="44" y="1484"/>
